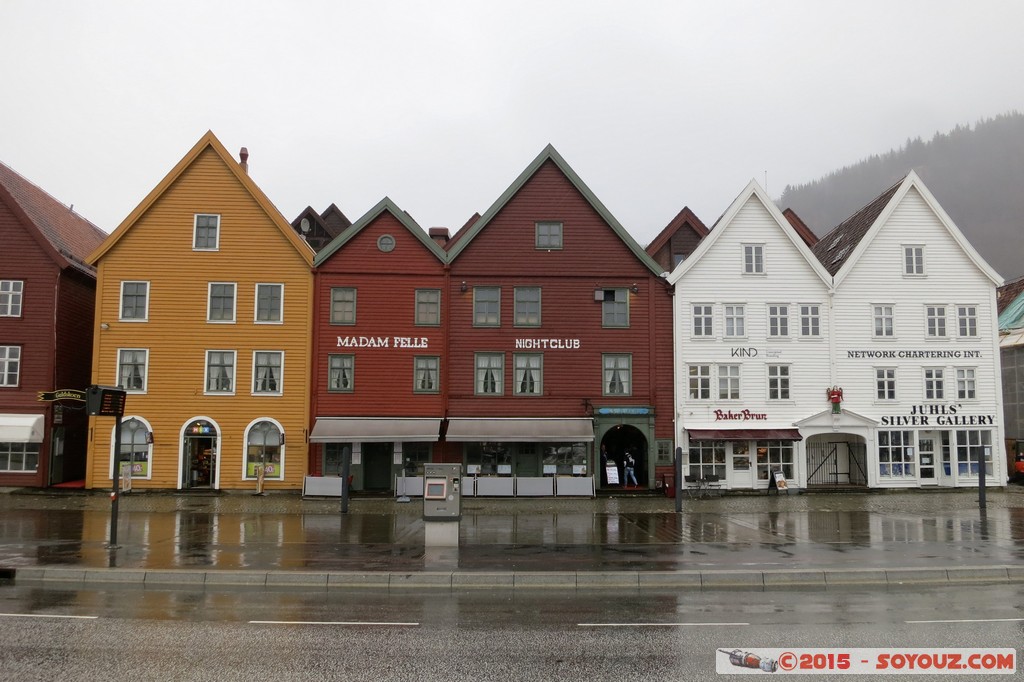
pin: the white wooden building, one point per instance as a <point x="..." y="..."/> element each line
<point x="870" y="360"/>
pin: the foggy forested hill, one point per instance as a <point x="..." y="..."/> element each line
<point x="977" y="174"/>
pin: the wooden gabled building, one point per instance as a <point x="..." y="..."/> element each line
<point x="46" y="307"/>
<point x="203" y="315"/>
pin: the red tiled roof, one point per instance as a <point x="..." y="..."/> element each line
<point x="835" y="247"/>
<point x="72" y="236"/>
<point x="1008" y="293"/>
<point x="801" y="227"/>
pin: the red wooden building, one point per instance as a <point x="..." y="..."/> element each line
<point x="47" y="297"/>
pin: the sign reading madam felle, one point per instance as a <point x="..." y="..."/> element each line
<point x="938" y="415"/>
<point x="383" y="342"/>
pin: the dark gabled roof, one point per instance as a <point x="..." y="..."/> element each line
<point x="401" y="216"/>
<point x="685" y="218"/>
<point x="835" y="247"/>
<point x="549" y="154"/>
<point x="71" y="237"/>
<point x="801" y="227"/>
<point x="461" y="232"/>
<point x="335" y="222"/>
<point x="1008" y="293"/>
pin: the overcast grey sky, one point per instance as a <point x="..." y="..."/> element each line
<point x="441" y="104"/>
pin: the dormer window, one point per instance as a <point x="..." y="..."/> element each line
<point x="753" y="259"/>
<point x="913" y="261"/>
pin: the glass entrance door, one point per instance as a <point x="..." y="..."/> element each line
<point x="926" y="453"/>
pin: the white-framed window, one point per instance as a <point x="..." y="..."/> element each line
<point x="934" y="383"/>
<point x="885" y="383"/>
<point x="136" y="447"/>
<point x="132" y="369"/>
<point x="549" y="235"/>
<point x="753" y="259"/>
<point x="526" y="307"/>
<point x="966" y="384"/>
<point x="936" y="319"/>
<point x="11" y="295"/>
<point x="883" y="319"/>
<point x="206" y="232"/>
<point x="134" y="301"/>
<point x="267" y="372"/>
<point x="967" y="320"/>
<point x="973" y="446"/>
<point x="486" y="306"/>
<point x="341" y="372"/>
<point x="700" y="382"/>
<point x="618" y="374"/>
<point x="343" y="305"/>
<point x="703" y="321"/>
<point x="220" y="371"/>
<point x="221" y="302"/>
<point x="810" y="320"/>
<point x="778" y="321"/>
<point x="490" y="373"/>
<point x="778" y="382"/>
<point x="19" y="457"/>
<point x="735" y="321"/>
<point x="913" y="260"/>
<point x="426" y="370"/>
<point x="10" y="365"/>
<point x="896" y="457"/>
<point x="529" y="374"/>
<point x="728" y="382"/>
<point x="615" y="308"/>
<point x="269" y="303"/>
<point x="773" y="455"/>
<point x="264" y="449"/>
<point x="706" y="458"/>
<point x="428" y="308"/>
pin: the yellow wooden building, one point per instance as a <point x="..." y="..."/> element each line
<point x="203" y="316"/>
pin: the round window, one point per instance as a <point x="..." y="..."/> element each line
<point x="386" y="243"/>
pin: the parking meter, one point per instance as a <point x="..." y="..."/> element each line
<point x="442" y="495"/>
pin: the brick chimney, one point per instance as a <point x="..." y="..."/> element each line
<point x="440" y="235"/>
<point x="243" y="156"/>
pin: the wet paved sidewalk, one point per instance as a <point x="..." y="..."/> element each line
<point x="749" y="541"/>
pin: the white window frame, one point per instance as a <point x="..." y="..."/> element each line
<point x="256" y="303"/>
<point x="12" y="297"/>
<point x="427" y="312"/>
<point x="885" y="384"/>
<point x="966" y="383"/>
<point x="10" y="364"/>
<point x="779" y="376"/>
<point x="234" y="302"/>
<point x="897" y="454"/>
<point x="754" y="259"/>
<point x="883" y="316"/>
<point x="729" y="382"/>
<point x="431" y="364"/>
<point x="343" y="321"/>
<point x="145" y="369"/>
<point x="621" y="363"/>
<point x="234" y="373"/>
<point x="967" y="321"/>
<point x="256" y="379"/>
<point x="810" y="320"/>
<point x="519" y="373"/>
<point x="935" y="321"/>
<point x="934" y="383"/>
<point x="734" y="315"/>
<point x="914" y="260"/>
<point x="481" y="370"/>
<point x="703" y="324"/>
<point x="778" y="320"/>
<point x="120" y="307"/>
<point x="351" y="367"/>
<point x="547" y="238"/>
<point x="699" y="382"/>
<point x="195" y="232"/>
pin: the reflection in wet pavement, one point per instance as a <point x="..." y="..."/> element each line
<point x="589" y="535"/>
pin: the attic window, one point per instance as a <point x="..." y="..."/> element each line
<point x="549" y="235"/>
<point x="206" y="234"/>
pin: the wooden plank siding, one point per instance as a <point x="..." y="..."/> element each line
<point x="155" y="245"/>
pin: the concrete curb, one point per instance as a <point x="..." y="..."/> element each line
<point x="527" y="580"/>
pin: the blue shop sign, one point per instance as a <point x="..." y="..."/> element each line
<point x="623" y="410"/>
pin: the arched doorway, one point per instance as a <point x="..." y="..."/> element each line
<point x="617" y="442"/>
<point x="199" y="454"/>
<point x="836" y="460"/>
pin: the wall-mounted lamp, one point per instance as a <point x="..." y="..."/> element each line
<point x="463" y="287"/>
<point x="104" y="326"/>
<point x="635" y="289"/>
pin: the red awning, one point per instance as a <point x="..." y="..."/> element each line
<point x="745" y="434"/>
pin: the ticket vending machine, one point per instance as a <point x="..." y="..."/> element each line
<point x="442" y="496"/>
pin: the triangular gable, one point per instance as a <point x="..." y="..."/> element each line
<point x="549" y="154"/>
<point x="806" y="233"/>
<point x="66" y="237"/>
<point x="685" y="218"/>
<point x="895" y="195"/>
<point x="209" y="140"/>
<point x="401" y="216"/>
<point x="722" y="225"/>
<point x="826" y="417"/>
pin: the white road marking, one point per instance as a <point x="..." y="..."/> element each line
<point x="44" y="615"/>
<point x="330" y="622"/>
<point x="968" y="620"/>
<point x="654" y="625"/>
